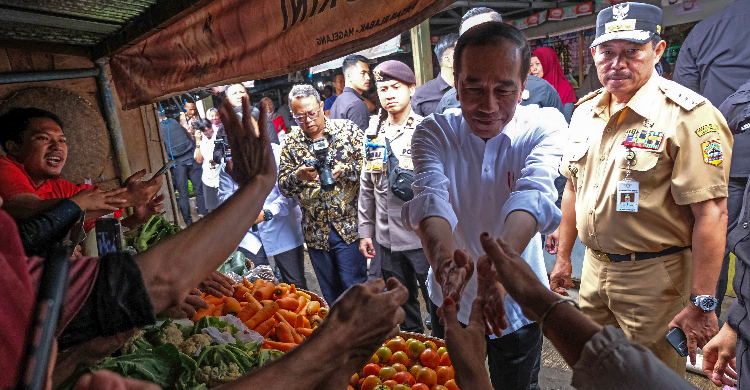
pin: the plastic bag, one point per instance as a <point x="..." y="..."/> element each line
<point x="235" y="263"/>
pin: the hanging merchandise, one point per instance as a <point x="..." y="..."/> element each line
<point x="584" y="9"/>
<point x="532" y="20"/>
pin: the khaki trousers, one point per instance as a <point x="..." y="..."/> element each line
<point x="641" y="297"/>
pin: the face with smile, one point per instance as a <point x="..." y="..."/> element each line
<point x="536" y="67"/>
<point x="44" y="150"/>
<point x="395" y="96"/>
<point x="624" y="66"/>
<point x="489" y="87"/>
<point x="235" y="93"/>
<point x="191" y="110"/>
<point x="308" y="113"/>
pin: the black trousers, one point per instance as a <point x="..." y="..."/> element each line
<point x="734" y="206"/>
<point x="514" y="359"/>
<point x="181" y="173"/>
<point x="291" y="264"/>
<point x="410" y="268"/>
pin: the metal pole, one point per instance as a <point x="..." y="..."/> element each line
<point x="422" y="52"/>
<point x="109" y="111"/>
<point x="29" y="77"/>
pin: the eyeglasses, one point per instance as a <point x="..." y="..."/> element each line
<point x="313" y="115"/>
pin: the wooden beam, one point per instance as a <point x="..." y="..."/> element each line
<point x="422" y="52"/>
<point x="52" y="48"/>
<point x="580" y="58"/>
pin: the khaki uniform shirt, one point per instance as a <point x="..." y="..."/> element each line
<point x="684" y="158"/>
<point x="379" y="208"/>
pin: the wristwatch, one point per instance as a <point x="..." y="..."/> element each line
<point x="267" y="215"/>
<point x="704" y="302"/>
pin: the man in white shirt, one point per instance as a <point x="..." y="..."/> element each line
<point x="489" y="165"/>
<point x="277" y="231"/>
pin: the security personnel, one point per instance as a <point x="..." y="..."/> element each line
<point x="648" y="166"/>
<point x="401" y="251"/>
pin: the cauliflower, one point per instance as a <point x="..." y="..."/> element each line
<point x="131" y="346"/>
<point x="217" y="376"/>
<point x="192" y="345"/>
<point x="172" y="335"/>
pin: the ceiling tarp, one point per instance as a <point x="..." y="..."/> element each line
<point x="237" y="40"/>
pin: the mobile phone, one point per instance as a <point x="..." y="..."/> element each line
<point x="166" y="167"/>
<point x="677" y="339"/>
<point x="108" y="235"/>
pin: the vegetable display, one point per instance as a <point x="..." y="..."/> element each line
<point x="283" y="315"/>
<point x="157" y="228"/>
<point x="206" y="355"/>
<point x="406" y="365"/>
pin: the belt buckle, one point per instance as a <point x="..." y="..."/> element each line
<point x="602" y="256"/>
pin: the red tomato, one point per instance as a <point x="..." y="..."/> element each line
<point x="399" y="367"/>
<point x="445" y="360"/>
<point x="438" y="387"/>
<point x="427" y="376"/>
<point x="370" y="383"/>
<point x="390" y="383"/>
<point x="430" y="358"/>
<point x="444" y="374"/>
<point x="396" y="344"/>
<point x="404" y="377"/>
<point x="420" y="386"/>
<point x="371" y="369"/>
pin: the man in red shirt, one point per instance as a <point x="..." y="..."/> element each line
<point x="30" y="173"/>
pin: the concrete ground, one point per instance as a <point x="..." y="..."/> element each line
<point x="554" y="374"/>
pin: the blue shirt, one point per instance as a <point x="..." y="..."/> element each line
<point x="329" y="102"/>
<point x="514" y="170"/>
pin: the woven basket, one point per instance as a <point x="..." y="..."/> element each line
<point x="422" y="338"/>
<point x="315" y="297"/>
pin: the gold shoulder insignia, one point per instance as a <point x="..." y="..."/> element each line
<point x="681" y="96"/>
<point x="589" y="96"/>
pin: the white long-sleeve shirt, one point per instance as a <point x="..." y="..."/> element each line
<point x="474" y="185"/>
<point x="280" y="234"/>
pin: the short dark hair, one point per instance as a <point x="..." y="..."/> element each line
<point x="655" y="39"/>
<point x="328" y="87"/>
<point x="444" y="44"/>
<point x="493" y="33"/>
<point x="351" y="61"/>
<point x="476" y="11"/>
<point x="16" y="121"/>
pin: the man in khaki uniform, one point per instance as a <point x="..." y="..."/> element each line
<point x="648" y="167"/>
<point x="401" y="251"/>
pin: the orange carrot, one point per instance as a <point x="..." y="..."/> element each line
<point x="240" y="291"/>
<point x="292" y="289"/>
<point x="247" y="284"/>
<point x="304" y="331"/>
<point x="243" y="304"/>
<point x="283" y="347"/>
<point x="295" y="336"/>
<point x="305" y="322"/>
<point x="288" y="316"/>
<point x="265" y="326"/>
<point x="280" y="290"/>
<point x="232" y="306"/>
<point x="258" y="282"/>
<point x="217" y="312"/>
<point x="204" y="312"/>
<point x="323" y="312"/>
<point x="264" y="292"/>
<point x="284" y="333"/>
<point x="270" y="333"/>
<point x="302" y="303"/>
<point x="215" y="300"/>
<point x="263" y="314"/>
<point x="253" y="302"/>
<point x="312" y="308"/>
<point x="288" y="303"/>
<point x="315" y="320"/>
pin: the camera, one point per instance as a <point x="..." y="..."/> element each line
<point x="322" y="164"/>
<point x="221" y="150"/>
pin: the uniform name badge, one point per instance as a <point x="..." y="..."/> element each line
<point x="375" y="156"/>
<point x="627" y="189"/>
<point x="405" y="158"/>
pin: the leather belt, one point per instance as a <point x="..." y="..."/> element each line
<point x="615" y="258"/>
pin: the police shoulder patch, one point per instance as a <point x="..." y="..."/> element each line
<point x="712" y="153"/>
<point x="681" y="96"/>
<point x="703" y="130"/>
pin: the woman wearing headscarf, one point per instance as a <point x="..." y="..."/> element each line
<point x="545" y="64"/>
<point x="273" y="119"/>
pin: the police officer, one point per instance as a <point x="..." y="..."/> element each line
<point x="648" y="166"/>
<point x="401" y="251"/>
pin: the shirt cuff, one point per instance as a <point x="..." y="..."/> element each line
<point x="425" y="206"/>
<point x="545" y="211"/>
<point x="367" y="231"/>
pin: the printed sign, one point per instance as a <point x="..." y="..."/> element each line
<point x="228" y="41"/>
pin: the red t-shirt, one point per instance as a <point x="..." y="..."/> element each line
<point x="14" y="180"/>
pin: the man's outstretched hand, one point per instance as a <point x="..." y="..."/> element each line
<point x="252" y="156"/>
<point x="491" y="296"/>
<point x="467" y="346"/>
<point x="454" y="274"/>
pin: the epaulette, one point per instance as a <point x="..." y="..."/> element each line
<point x="590" y="96"/>
<point x="682" y="96"/>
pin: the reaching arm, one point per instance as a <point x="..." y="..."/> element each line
<point x="559" y="279"/>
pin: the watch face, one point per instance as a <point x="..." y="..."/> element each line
<point x="707" y="303"/>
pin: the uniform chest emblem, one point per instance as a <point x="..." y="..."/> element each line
<point x="643" y="139"/>
<point x="712" y="153"/>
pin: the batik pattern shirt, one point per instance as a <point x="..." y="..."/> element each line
<point x="322" y="210"/>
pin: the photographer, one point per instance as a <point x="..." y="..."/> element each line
<point x="320" y="166"/>
<point x="205" y="138"/>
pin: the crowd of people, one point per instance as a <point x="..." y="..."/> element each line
<point x="446" y="190"/>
